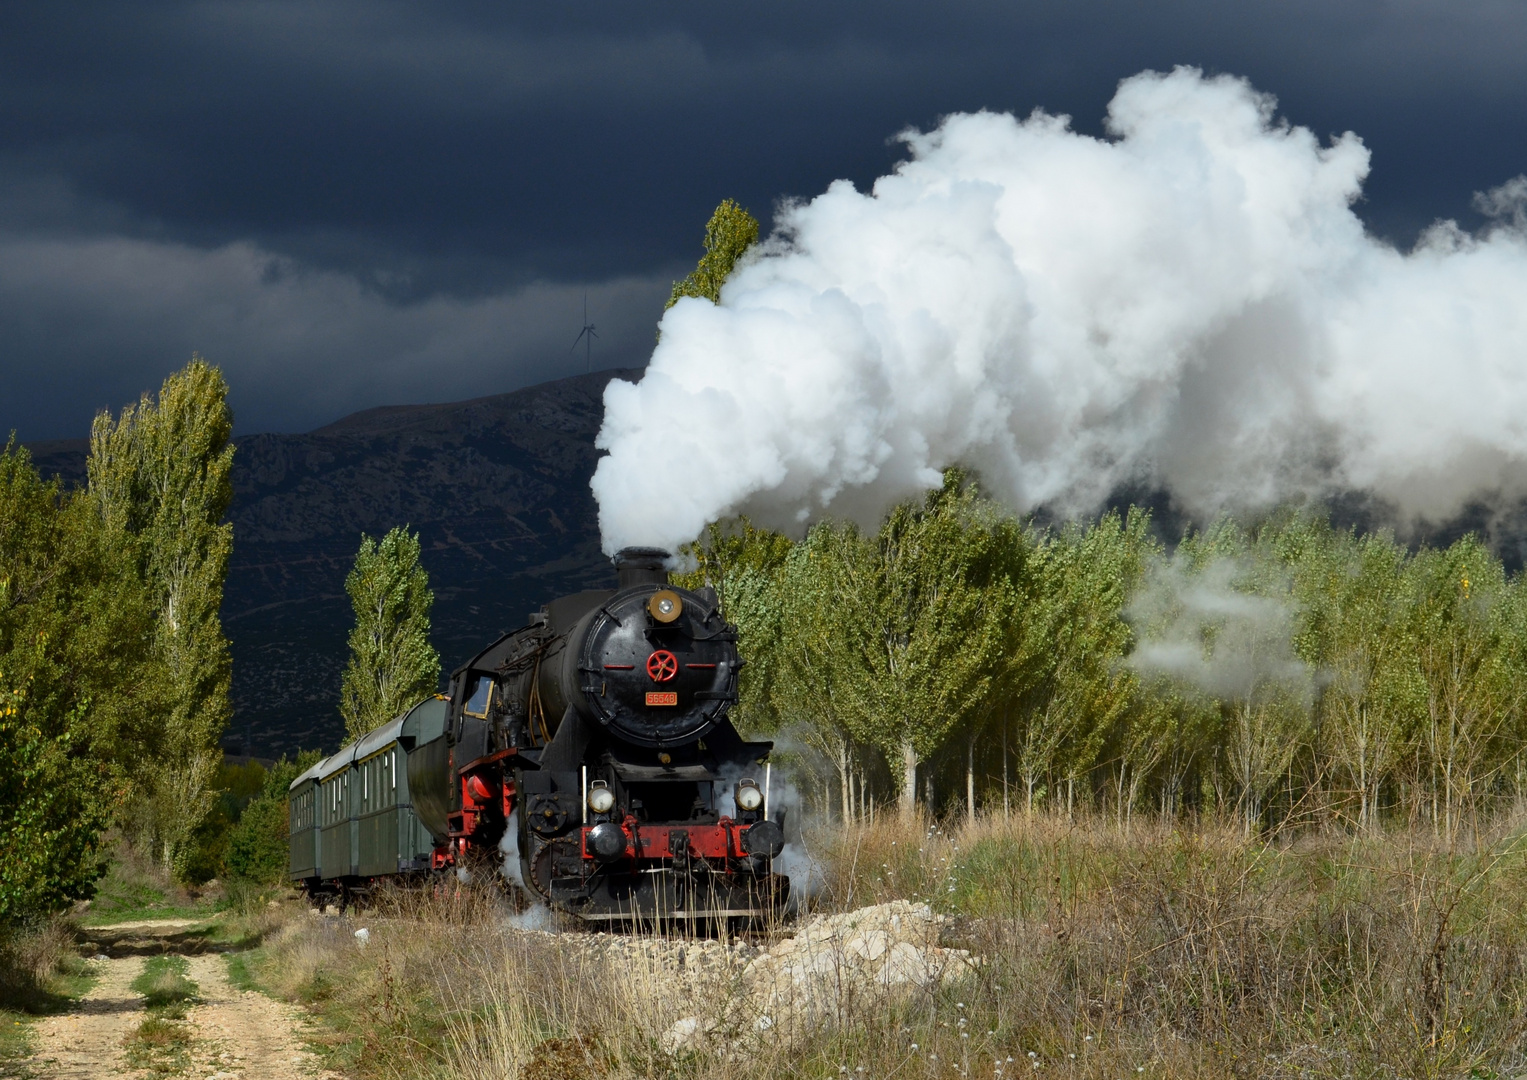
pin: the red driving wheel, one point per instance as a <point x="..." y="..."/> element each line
<point x="662" y="665"/>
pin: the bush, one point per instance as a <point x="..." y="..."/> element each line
<point x="257" y="845"/>
<point x="32" y="957"/>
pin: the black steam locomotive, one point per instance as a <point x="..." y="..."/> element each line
<point x="588" y="756"/>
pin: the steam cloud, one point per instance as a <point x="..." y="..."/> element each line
<point x="1252" y="635"/>
<point x="1191" y="303"/>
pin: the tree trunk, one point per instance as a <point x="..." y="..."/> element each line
<point x="848" y="805"/>
<point x="1004" y="769"/>
<point x="908" y="778"/>
<point x="970" y="781"/>
<point x="853" y="794"/>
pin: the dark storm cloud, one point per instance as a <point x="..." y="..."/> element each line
<point x="351" y="203"/>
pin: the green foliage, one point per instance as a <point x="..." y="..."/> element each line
<point x="68" y="619"/>
<point x="159" y="478"/>
<point x="919" y="612"/>
<point x="1063" y="685"/>
<point x="257" y="846"/>
<point x="1284" y="670"/>
<point x="742" y="564"/>
<point x="236" y="786"/>
<point x="728" y="235"/>
<point x="392" y="663"/>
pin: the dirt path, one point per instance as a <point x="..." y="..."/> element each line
<point x="244" y="1034"/>
<point x="86" y="1042"/>
<point x="239" y="1034"/>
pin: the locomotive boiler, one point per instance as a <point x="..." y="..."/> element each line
<point x="587" y="756"/>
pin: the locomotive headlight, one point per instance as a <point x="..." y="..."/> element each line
<point x="601" y="798"/>
<point x="748" y="795"/>
<point x="665" y="606"/>
<point x="606" y="842"/>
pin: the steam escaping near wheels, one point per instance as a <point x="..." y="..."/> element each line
<point x="1189" y="303"/>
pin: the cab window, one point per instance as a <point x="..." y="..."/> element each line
<point x="478" y="693"/>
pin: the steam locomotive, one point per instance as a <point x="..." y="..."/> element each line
<point x="587" y="757"/>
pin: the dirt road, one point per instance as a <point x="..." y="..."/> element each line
<point x="238" y="1034"/>
<point x="86" y="1042"/>
<point x="241" y="1033"/>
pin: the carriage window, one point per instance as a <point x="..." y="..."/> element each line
<point x="477" y="697"/>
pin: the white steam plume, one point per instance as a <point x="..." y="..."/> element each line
<point x="1191" y="303"/>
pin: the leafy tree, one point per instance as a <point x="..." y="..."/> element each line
<point x="257" y="846"/>
<point x="159" y="476"/>
<point x="919" y="611"/>
<point x="1373" y="694"/>
<point x="813" y="658"/>
<point x="72" y="626"/>
<point x="728" y="235"/>
<point x="1066" y="640"/>
<point x="743" y="564"/>
<point x="1466" y="652"/>
<point x="392" y="663"/>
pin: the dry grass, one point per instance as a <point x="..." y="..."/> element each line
<point x="1161" y="952"/>
<point x="38" y="965"/>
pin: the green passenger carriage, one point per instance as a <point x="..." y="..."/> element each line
<point x="352" y="816"/>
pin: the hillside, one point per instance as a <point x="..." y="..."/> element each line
<point x="496" y="487"/>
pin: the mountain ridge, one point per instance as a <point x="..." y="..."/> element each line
<point x="496" y="487"/>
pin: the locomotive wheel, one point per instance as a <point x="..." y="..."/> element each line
<point x="541" y="867"/>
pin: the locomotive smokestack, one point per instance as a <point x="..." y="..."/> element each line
<point x="641" y="566"/>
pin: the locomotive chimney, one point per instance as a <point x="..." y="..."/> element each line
<point x="641" y="566"/>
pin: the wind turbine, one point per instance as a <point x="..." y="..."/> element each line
<point x="587" y="336"/>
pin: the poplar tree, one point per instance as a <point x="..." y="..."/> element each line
<point x="921" y="607"/>
<point x="814" y="657"/>
<point x="1064" y="640"/>
<point x="1374" y="694"/>
<point x="728" y="235"/>
<point x="160" y="478"/>
<point x="392" y="663"/>
<point x="1469" y="655"/>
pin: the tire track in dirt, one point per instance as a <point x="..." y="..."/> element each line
<point x="85" y="1043"/>
<point x="237" y="1034"/>
<point x="243" y="1034"/>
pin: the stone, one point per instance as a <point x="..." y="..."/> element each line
<point x="683" y="1034"/>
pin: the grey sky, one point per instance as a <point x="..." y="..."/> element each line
<point x="353" y="204"/>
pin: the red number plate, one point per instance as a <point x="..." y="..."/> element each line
<point x="662" y="697"/>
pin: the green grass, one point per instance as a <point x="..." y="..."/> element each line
<point x="164" y="985"/>
<point x="71" y="981"/>
<point x="15" y="1044"/>
<point x="106" y="911"/>
<point x="161" y="1044"/>
<point x="135" y="888"/>
<point x="239" y="973"/>
<point x="27" y="999"/>
<point x="41" y="975"/>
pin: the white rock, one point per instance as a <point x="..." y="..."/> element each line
<point x="870" y="946"/>
<point x="905" y="964"/>
<point x="682" y="1034"/>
